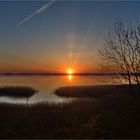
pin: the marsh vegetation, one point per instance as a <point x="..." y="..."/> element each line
<point x="17" y="91"/>
<point x="112" y="114"/>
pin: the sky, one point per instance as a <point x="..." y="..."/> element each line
<point x="51" y="36"/>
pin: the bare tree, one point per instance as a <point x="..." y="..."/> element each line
<point x="121" y="52"/>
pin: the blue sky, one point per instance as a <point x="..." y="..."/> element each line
<point x="68" y="33"/>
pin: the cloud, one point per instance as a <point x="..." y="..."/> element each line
<point x="40" y="10"/>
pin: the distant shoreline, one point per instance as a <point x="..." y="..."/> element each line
<point x="58" y="74"/>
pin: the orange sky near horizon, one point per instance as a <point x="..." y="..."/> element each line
<point x="44" y="67"/>
<point x="45" y="60"/>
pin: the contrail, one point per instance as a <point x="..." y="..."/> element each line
<point x="40" y="10"/>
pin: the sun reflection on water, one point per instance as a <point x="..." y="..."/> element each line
<point x="70" y="77"/>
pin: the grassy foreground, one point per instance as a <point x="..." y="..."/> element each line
<point x="113" y="115"/>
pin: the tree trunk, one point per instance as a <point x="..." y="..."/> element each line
<point x="130" y="85"/>
<point x="137" y="80"/>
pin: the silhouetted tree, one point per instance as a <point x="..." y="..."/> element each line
<point x="121" y="52"/>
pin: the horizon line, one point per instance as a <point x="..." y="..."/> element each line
<point x="63" y="73"/>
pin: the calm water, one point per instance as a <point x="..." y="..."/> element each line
<point x="46" y="85"/>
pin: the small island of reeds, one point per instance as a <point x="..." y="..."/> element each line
<point x="90" y="91"/>
<point x="17" y="91"/>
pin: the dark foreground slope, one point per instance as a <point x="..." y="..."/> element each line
<point x="105" y="116"/>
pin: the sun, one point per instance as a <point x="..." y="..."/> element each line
<point x="70" y="71"/>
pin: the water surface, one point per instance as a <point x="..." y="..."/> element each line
<point x="46" y="85"/>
